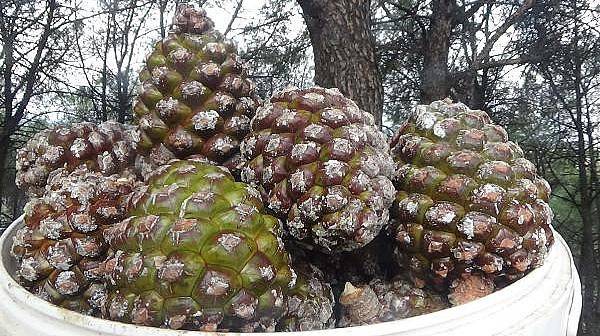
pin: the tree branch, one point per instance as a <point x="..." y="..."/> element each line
<point x="233" y="17"/>
<point x="509" y="22"/>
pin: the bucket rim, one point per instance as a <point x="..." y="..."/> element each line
<point x="559" y="253"/>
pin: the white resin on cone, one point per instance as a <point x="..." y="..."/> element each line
<point x="546" y="302"/>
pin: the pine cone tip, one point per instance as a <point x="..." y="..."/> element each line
<point x="188" y="19"/>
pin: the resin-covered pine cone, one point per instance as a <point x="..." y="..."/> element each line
<point x="383" y="301"/>
<point x="310" y="303"/>
<point x="322" y="166"/>
<point x="199" y="253"/>
<point x="195" y="97"/>
<point x="469" y="203"/>
<point x="108" y="148"/>
<point x="61" y="245"/>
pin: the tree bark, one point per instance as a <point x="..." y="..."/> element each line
<point x="344" y="50"/>
<point x="435" y="78"/>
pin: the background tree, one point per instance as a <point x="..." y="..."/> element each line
<point x="36" y="44"/>
<point x="344" y="50"/>
<point x="435" y="49"/>
<point x="278" y="55"/>
<point x="106" y="60"/>
<point x="566" y="36"/>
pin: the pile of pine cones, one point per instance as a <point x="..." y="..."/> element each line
<point x="217" y="211"/>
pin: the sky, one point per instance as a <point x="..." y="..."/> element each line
<point x="220" y="11"/>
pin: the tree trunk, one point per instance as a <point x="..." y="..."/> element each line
<point x="344" y="50"/>
<point x="587" y="263"/>
<point x="162" y="7"/>
<point x="3" y="171"/>
<point x="17" y="206"/>
<point x="6" y="131"/>
<point x="104" y="79"/>
<point x="435" y="79"/>
<point x="595" y="204"/>
<point x="124" y="106"/>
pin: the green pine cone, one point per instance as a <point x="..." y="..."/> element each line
<point x="199" y="253"/>
<point x="469" y="204"/>
<point x="195" y="97"/>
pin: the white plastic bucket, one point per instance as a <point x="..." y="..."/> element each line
<point x="546" y="302"/>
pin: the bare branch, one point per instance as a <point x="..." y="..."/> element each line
<point x="509" y="22"/>
<point x="234" y="16"/>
